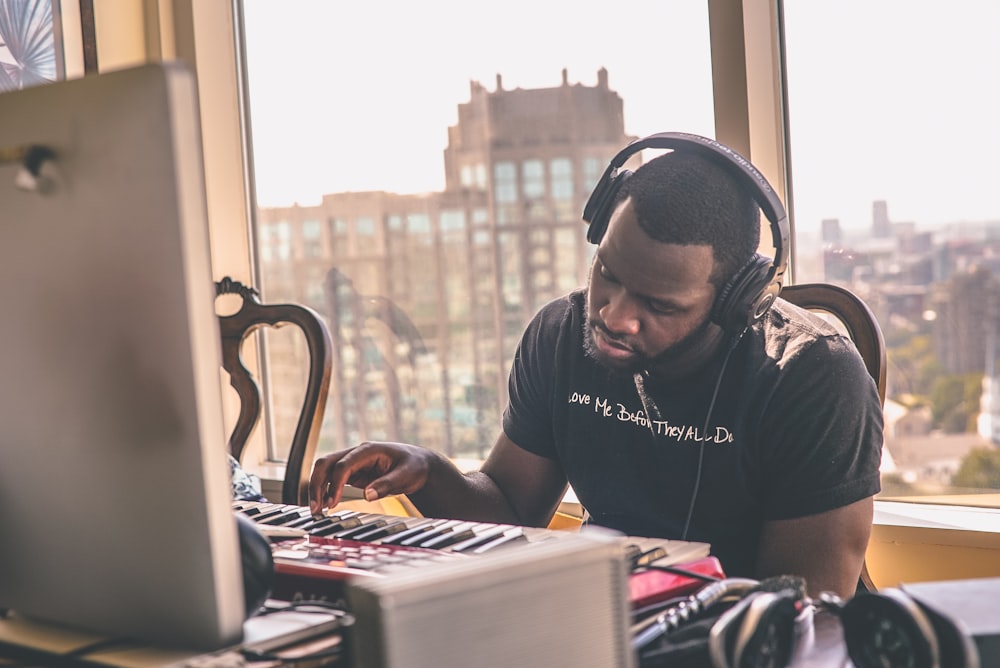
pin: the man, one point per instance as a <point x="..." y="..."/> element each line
<point x="764" y="441"/>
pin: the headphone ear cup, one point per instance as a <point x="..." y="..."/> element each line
<point x="767" y="633"/>
<point x="746" y="296"/>
<point x="956" y="647"/>
<point x="597" y="212"/>
<point x="888" y="628"/>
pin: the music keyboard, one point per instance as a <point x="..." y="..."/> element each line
<point x="278" y="521"/>
<point x="314" y="557"/>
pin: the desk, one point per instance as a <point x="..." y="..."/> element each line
<point x="26" y="643"/>
<point x="819" y="644"/>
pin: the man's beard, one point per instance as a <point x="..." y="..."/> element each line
<point x="641" y="362"/>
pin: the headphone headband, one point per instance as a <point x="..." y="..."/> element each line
<point x="755" y="287"/>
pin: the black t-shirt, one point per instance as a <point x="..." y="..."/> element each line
<point x="795" y="430"/>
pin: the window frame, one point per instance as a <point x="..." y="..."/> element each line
<point x="750" y="115"/>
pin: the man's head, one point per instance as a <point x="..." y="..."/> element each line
<point x="688" y="199"/>
<point x="681" y="227"/>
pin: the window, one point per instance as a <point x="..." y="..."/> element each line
<point x="312" y="238"/>
<point x="505" y="191"/>
<point x="533" y="174"/>
<point x="365" y="239"/>
<point x="893" y="131"/>
<point x="452" y="220"/>
<point x="418" y="224"/>
<point x="448" y="247"/>
<point x="562" y="187"/>
<point x="592" y="170"/>
<point x="314" y="81"/>
<point x="281" y="237"/>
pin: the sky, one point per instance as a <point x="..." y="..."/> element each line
<point x="889" y="99"/>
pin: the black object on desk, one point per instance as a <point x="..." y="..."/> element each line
<point x="257" y="562"/>
<point x="971" y="605"/>
<point x="954" y="623"/>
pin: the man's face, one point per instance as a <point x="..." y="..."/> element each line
<point x="648" y="302"/>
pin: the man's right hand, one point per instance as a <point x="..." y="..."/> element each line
<point x="380" y="469"/>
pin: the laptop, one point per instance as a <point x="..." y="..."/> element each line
<point x="115" y="501"/>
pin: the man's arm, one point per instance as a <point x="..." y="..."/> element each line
<point x="532" y="485"/>
<point x="513" y="486"/>
<point x="827" y="549"/>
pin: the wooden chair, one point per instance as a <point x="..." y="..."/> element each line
<point x="853" y="314"/>
<point x="234" y="329"/>
<point x="861" y="326"/>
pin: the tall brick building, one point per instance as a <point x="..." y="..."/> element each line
<point x="427" y="295"/>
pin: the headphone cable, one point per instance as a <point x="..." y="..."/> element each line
<point x="704" y="431"/>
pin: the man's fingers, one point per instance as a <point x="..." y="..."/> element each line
<point x="319" y="485"/>
<point x="327" y="481"/>
<point x="398" y="480"/>
<point x="380" y="469"/>
<point x="357" y="466"/>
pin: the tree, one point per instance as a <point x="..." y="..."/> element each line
<point x="955" y="402"/>
<point x="979" y="469"/>
<point x="913" y="363"/>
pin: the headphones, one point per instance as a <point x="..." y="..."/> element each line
<point x="890" y="627"/>
<point x="884" y="628"/>
<point x="747" y="296"/>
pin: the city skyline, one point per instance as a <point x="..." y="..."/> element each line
<point x="895" y="135"/>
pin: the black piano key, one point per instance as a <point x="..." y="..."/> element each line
<point x="431" y="532"/>
<point x="417" y="528"/>
<point x="456" y="535"/>
<point x="488" y="533"/>
<point x="315" y="524"/>
<point x="363" y="527"/>
<point x="312" y="523"/>
<point x="514" y="535"/>
<point x="383" y="531"/>
<point x="268" y="514"/>
<point x="286" y="517"/>
<point x="326" y="529"/>
<point x="336" y="527"/>
<point x="301" y="522"/>
<point x="312" y="520"/>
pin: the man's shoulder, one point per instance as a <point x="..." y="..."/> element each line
<point x="791" y="332"/>
<point x="556" y="326"/>
<point x="566" y="308"/>
<point x="784" y="315"/>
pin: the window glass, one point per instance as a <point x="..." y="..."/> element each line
<point x="592" y="169"/>
<point x="452" y="179"/>
<point x="562" y="187"/>
<point x="466" y="177"/>
<point x="533" y="173"/>
<point x="312" y="238"/>
<point x="893" y="131"/>
<point x="505" y="192"/>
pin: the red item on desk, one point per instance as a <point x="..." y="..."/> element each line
<point x="651" y="586"/>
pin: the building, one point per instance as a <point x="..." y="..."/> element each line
<point x="427" y="295"/>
